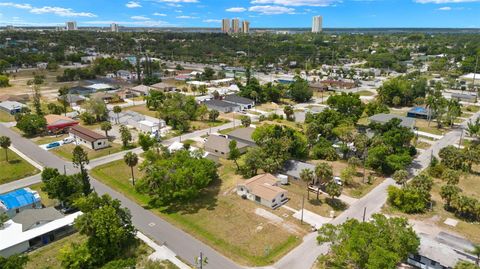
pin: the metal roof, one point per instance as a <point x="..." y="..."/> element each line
<point x="238" y="99"/>
<point x="19" y="198"/>
<point x="384" y="118"/>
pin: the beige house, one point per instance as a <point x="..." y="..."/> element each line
<point x="88" y="138"/>
<point x="264" y="190"/>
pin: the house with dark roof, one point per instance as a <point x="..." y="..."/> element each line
<point x="88" y="138"/>
<point x="293" y="168"/>
<point x="222" y="106"/>
<point x="243" y="135"/>
<point x="80" y="90"/>
<point x="14" y="202"/>
<point x="242" y="102"/>
<point x="419" y="113"/>
<point x="464" y="97"/>
<point x="218" y="146"/>
<point x="73" y="99"/>
<point x="383" y="118"/>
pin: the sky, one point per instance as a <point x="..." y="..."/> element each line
<point x="260" y="13"/>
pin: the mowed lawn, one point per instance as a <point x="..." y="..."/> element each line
<point x="142" y="109"/>
<point x="220" y="217"/>
<point x="16" y="167"/>
<point x="66" y="151"/>
<point x="5" y="117"/>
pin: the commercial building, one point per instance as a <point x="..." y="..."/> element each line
<point x="114" y="27"/>
<point x="317" y="24"/>
<point x="88" y="138"/>
<point x="245" y="27"/>
<point x="221" y="106"/>
<point x="243" y="102"/>
<point x="235" y="26"/>
<point x="264" y="190"/>
<point x="16" y="201"/>
<point x="11" y="107"/>
<point x="71" y="26"/>
<point x="226" y="25"/>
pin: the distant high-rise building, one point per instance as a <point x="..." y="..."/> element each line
<point x="114" y="27"/>
<point x="71" y="25"/>
<point x="245" y="27"/>
<point x="236" y="26"/>
<point x="226" y="25"/>
<point x="317" y="24"/>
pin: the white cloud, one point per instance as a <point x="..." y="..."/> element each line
<point x="212" y="21"/>
<point x="186" y="17"/>
<point x="313" y="3"/>
<point x="271" y="10"/>
<point x="445" y="1"/>
<point x="178" y="1"/>
<point x="140" y="18"/>
<point x="159" y="14"/>
<point x="148" y="23"/>
<point x="236" y="9"/>
<point x="445" y="8"/>
<point x="133" y="4"/>
<point x="20" y="6"/>
<point x="62" y="12"/>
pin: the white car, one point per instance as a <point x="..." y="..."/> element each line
<point x="68" y="140"/>
<point x="338" y="180"/>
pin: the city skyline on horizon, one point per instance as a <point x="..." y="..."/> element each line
<point x="260" y="13"/>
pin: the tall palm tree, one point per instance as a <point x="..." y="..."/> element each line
<point x="307" y="175"/>
<point x="473" y="128"/>
<point x="117" y="110"/>
<point x="131" y="159"/>
<point x="5" y="143"/>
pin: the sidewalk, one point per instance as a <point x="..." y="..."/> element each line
<point x="309" y="217"/>
<point x="162" y="252"/>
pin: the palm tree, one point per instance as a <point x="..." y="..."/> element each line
<point x="307" y="175"/>
<point x="117" y="110"/>
<point x="473" y="128"/>
<point x="5" y="143"/>
<point x="131" y="159"/>
<point x="288" y="110"/>
<point x="324" y="172"/>
<point x="106" y="126"/>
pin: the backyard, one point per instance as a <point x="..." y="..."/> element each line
<point x="5" y="117"/>
<point x="66" y="151"/>
<point x="16" y="167"/>
<point x="237" y="232"/>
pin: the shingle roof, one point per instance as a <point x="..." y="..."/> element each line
<point x="384" y="118"/>
<point x="221" y="143"/>
<point x="294" y="168"/>
<point x="219" y="103"/>
<point x="264" y="186"/>
<point x="11" y="105"/>
<point x="243" y="133"/>
<point x="238" y="99"/>
<point x="30" y="217"/>
<point x="86" y="134"/>
<point x="19" y="198"/>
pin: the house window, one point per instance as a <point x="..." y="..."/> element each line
<point x="273" y="201"/>
<point x="99" y="143"/>
<point x="282" y="195"/>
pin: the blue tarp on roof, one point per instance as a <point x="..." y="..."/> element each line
<point x="18" y="198"/>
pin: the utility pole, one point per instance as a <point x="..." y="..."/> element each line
<point x="475" y="73"/>
<point x="461" y="137"/>
<point x="303" y="203"/>
<point x="364" y="213"/>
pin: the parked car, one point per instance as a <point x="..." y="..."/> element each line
<point x="53" y="145"/>
<point x="68" y="140"/>
<point x="338" y="180"/>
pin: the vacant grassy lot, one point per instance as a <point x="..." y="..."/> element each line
<point x="200" y="125"/>
<point x="220" y="217"/>
<point x="15" y="168"/>
<point x="66" y="151"/>
<point x="469" y="183"/>
<point x="5" y="117"/>
<point x="48" y="139"/>
<point x="365" y="93"/>
<point x="142" y="109"/>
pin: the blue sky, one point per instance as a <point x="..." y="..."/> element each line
<point x="261" y="13"/>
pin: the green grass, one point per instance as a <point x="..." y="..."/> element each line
<point x="233" y="233"/>
<point x="365" y="93"/>
<point x="471" y="108"/>
<point x="48" y="139"/>
<point x="16" y="167"/>
<point x="142" y="109"/>
<point x="5" y="117"/>
<point x="65" y="151"/>
<point x="47" y="202"/>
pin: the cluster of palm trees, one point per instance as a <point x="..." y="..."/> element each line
<point x="443" y="110"/>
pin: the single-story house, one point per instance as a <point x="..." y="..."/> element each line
<point x="419" y="113"/>
<point x="21" y="98"/>
<point x="384" y="118"/>
<point x="107" y="97"/>
<point x="31" y="218"/>
<point x="243" y="102"/>
<point x="88" y="138"/>
<point x="73" y="99"/>
<point x="147" y="126"/>
<point x="293" y="168"/>
<point x="124" y="74"/>
<point x="218" y="146"/>
<point x="264" y="190"/>
<point x="469" y="77"/>
<point x="11" y="107"/>
<point x="222" y="106"/>
<point x="14" y="202"/>
<point x="464" y="97"/>
<point x="164" y="87"/>
<point x="100" y="87"/>
<point x="223" y="81"/>
<point x="339" y="84"/>
<point x="243" y="135"/>
<point x="126" y="94"/>
<point x="59" y="123"/>
<point x="45" y="227"/>
<point x="141" y="90"/>
<point x="81" y="90"/>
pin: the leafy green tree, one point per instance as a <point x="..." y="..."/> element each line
<point x="117" y="110"/>
<point x="466" y="265"/>
<point x="13" y="262"/>
<point x="131" y="159"/>
<point x="288" y="110"/>
<point x="213" y="115"/>
<point x="384" y="243"/>
<point x="347" y="104"/>
<point x="300" y="91"/>
<point x="5" y="144"/>
<point x="145" y="141"/>
<point x="98" y="108"/>
<point x="307" y="175"/>
<point x="4" y="81"/>
<point x="401" y="177"/>
<point x="63" y="93"/>
<point x="246" y="121"/>
<point x="202" y="112"/>
<point x="448" y="193"/>
<point x="3" y="218"/>
<point x="106" y="126"/>
<point x="37" y="102"/>
<point x="62" y="187"/>
<point x="254" y="160"/>
<point x="177" y="177"/>
<point x="333" y="189"/>
<point x="125" y="135"/>
<point x="413" y="197"/>
<point x="234" y="153"/>
<point x="80" y="160"/>
<point x="452" y="157"/>
<point x="31" y="124"/>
